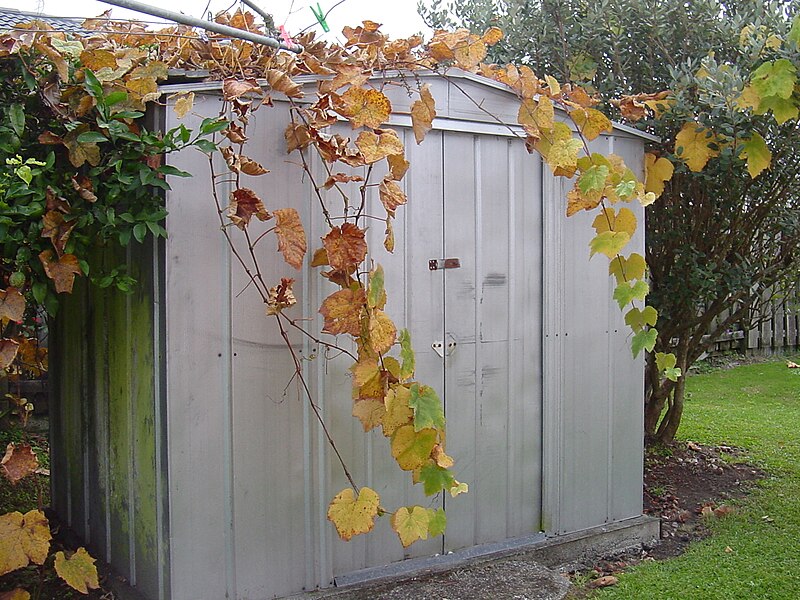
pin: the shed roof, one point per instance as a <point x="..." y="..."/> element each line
<point x="10" y="17"/>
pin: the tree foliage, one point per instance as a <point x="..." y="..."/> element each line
<point x="717" y="81"/>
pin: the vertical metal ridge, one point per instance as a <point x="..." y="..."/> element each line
<point x="227" y="426"/>
<point x="477" y="165"/>
<point x="511" y="305"/>
<point x="159" y="422"/>
<point x="610" y="387"/>
<point x="443" y="248"/>
<point x="131" y="392"/>
<point x="309" y="368"/>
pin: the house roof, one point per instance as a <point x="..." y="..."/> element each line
<point x="10" y="17"/>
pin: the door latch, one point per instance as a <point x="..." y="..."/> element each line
<point x="444" y="347"/>
<point x="444" y="263"/>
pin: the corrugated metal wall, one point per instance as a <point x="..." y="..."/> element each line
<point x="593" y="388"/>
<point x="258" y="511"/>
<point x="108" y="474"/>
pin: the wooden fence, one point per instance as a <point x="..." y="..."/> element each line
<point x="778" y="330"/>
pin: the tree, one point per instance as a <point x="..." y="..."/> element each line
<point x="722" y="237"/>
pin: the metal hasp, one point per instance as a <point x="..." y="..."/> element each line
<point x="444" y="347"/>
<point x="444" y="263"/>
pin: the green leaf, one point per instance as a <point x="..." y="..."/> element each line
<point x="93" y="85"/>
<point x="757" y="154"/>
<point x="16" y="115"/>
<point x="672" y="374"/>
<point x="775" y="78"/>
<point x="665" y="361"/>
<point x="39" y="291"/>
<point x="115" y="98"/>
<point x="24" y="172"/>
<point x="626" y="292"/>
<point x="139" y="232"/>
<point x="609" y="243"/>
<point x="637" y="319"/>
<point x="644" y="340"/>
<point x="794" y="32"/>
<point x="206" y="146"/>
<point x="435" y="479"/>
<point x="407" y="356"/>
<point x="593" y="179"/>
<point x="427" y="408"/>
<point x="91" y="137"/>
<point x="212" y="125"/>
<point x="376" y="295"/>
<point x="170" y="170"/>
<point x="437" y="522"/>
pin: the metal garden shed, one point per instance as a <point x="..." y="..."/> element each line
<point x="182" y="459"/>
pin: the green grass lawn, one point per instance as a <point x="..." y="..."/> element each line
<point x="756" y="407"/>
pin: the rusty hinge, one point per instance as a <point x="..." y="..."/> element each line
<point x="444" y="263"/>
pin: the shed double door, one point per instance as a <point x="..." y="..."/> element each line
<point x="477" y="325"/>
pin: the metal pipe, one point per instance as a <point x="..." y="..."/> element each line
<point x="261" y="12"/>
<point x="155" y="11"/>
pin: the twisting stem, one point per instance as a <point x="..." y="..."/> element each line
<point x="299" y="373"/>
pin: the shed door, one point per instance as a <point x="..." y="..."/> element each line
<point x="491" y="342"/>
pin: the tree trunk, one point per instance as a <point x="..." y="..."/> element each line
<point x="672" y="419"/>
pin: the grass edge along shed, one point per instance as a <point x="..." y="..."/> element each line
<point x="183" y="458"/>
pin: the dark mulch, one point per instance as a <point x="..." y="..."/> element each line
<point x="684" y="484"/>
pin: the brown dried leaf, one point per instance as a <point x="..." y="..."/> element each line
<point x="388" y="241"/>
<point x="340" y="178"/>
<point x="342" y="312"/>
<point x="12" y="305"/>
<point x="250" y="167"/>
<point x="15" y="594"/>
<point x="233" y="88"/>
<point x="18" y="462"/>
<point x="281" y="82"/>
<point x="61" y="271"/>
<point x="470" y="54"/>
<point x="57" y="229"/>
<point x="369" y="411"/>
<point x="8" y="352"/>
<point x="291" y="236"/>
<point x="83" y="185"/>
<point x="398" y="166"/>
<point x="391" y="195"/>
<point x="423" y="111"/>
<point x="296" y="136"/>
<point x="80" y="153"/>
<point x="346" y="246"/>
<point x="378" y="144"/>
<point x="492" y="35"/>
<point x="235" y="134"/>
<point x="244" y="205"/>
<point x="281" y="296"/>
<point x="364" y="107"/>
<point x="97" y="59"/>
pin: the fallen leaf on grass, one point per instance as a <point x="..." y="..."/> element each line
<point x="728" y="549"/>
<point x="606" y="581"/>
<point x="692" y="446"/>
<point x="723" y="510"/>
<point x="792" y="365"/>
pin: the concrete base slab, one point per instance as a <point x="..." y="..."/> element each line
<point x="518" y="569"/>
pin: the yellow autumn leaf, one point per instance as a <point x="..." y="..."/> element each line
<point x="555" y="87"/>
<point x="12" y="304"/>
<point x="627" y="269"/>
<point x="365" y="107"/>
<point x="591" y="122"/>
<point x="375" y="146"/>
<point x="398" y="413"/>
<point x="658" y="171"/>
<point x="564" y="155"/>
<point x="610" y="220"/>
<point x="382" y="331"/>
<point x="412" y="449"/>
<point x="78" y="570"/>
<point x="536" y="114"/>
<point x="492" y="35"/>
<point x="469" y="54"/>
<point x="15" y="594"/>
<point x="391" y="195"/>
<point x="364" y="370"/>
<point x="757" y="154"/>
<point x="609" y="243"/>
<point x="353" y="515"/>
<point x="693" y="146"/>
<point x="423" y="111"/>
<point x="370" y="412"/>
<point x="410" y="525"/>
<point x="24" y="539"/>
<point x="398" y="166"/>
<point x="291" y="236"/>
